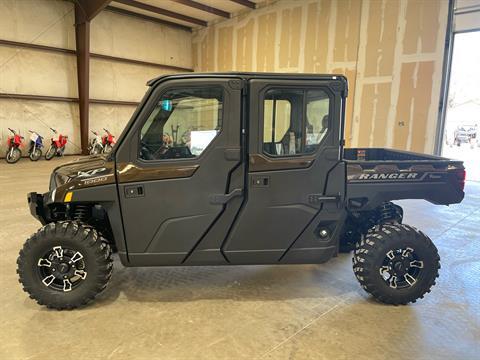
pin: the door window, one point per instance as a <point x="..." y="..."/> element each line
<point x="294" y="121"/>
<point x="183" y="124"/>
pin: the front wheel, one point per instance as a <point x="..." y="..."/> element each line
<point x="50" y="152"/>
<point x="65" y="265"/>
<point x="396" y="263"/>
<point x="96" y="149"/>
<point x="107" y="149"/>
<point x="35" y="154"/>
<point x="13" y="155"/>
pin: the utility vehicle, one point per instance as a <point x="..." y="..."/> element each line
<point x="258" y="175"/>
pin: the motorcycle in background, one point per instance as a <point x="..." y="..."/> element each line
<point x="36" y="145"/>
<point x="108" y="141"/>
<point x="14" y="142"/>
<point x="95" y="147"/>
<point x="57" y="146"/>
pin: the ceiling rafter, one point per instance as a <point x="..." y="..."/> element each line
<point x="160" y="11"/>
<point x="246" y="3"/>
<point x="203" y="7"/>
<point x="146" y="17"/>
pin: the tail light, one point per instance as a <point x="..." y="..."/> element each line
<point x="461" y="175"/>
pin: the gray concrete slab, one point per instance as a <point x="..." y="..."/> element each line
<point x="245" y="312"/>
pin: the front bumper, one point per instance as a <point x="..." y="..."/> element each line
<point x="37" y="207"/>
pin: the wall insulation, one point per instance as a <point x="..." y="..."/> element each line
<point x="390" y="50"/>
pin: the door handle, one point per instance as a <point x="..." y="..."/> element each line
<point x="224" y="198"/>
<point x="319" y="198"/>
<point x="134" y="191"/>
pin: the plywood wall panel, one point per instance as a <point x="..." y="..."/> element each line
<point x="225" y="48"/>
<point x="367" y="114"/>
<point x="290" y="37"/>
<point x="265" y="59"/>
<point x="382" y="104"/>
<point x="243" y="58"/>
<point x="316" y="39"/>
<point x="423" y="97"/>
<point x="346" y="30"/>
<point x="207" y="47"/>
<point x="381" y="32"/>
<point x="413" y="105"/>
<point x="422" y="21"/>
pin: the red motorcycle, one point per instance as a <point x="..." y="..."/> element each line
<point x="108" y="141"/>
<point x="57" y="147"/>
<point x="14" y="142"/>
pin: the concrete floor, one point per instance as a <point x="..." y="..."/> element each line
<point x="245" y="312"/>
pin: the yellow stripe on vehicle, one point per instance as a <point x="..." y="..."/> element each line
<point x="68" y="197"/>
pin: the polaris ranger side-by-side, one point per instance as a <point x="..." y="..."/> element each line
<point x="236" y="168"/>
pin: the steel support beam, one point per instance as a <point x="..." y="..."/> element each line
<point x="85" y="10"/>
<point x="91" y="8"/>
<point x="82" y="40"/>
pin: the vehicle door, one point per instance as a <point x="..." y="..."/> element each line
<point x="177" y="170"/>
<point x="296" y="180"/>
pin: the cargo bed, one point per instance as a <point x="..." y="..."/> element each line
<point x="375" y="175"/>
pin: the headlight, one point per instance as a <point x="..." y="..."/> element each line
<point x="57" y="179"/>
<point x="52" y="184"/>
<point x="61" y="179"/>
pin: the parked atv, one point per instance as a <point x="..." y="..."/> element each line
<point x="13" y="147"/>
<point x="36" y="145"/>
<point x="57" y="147"/>
<point x="264" y="178"/>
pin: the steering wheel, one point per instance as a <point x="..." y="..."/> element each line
<point x="147" y="153"/>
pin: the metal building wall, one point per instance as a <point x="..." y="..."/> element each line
<point x="117" y="85"/>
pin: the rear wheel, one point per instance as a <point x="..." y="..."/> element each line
<point x="396" y="263"/>
<point x="96" y="150"/>
<point x="35" y="154"/>
<point x="13" y="155"/>
<point x="65" y="265"/>
<point x="107" y="149"/>
<point x="50" y="152"/>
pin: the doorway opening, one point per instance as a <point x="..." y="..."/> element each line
<point x="461" y="137"/>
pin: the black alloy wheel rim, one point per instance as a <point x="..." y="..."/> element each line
<point x="401" y="268"/>
<point x="62" y="269"/>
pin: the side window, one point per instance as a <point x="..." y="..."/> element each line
<point x="183" y="124"/>
<point x="294" y="121"/>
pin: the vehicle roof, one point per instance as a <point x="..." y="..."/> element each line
<point x="248" y="76"/>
